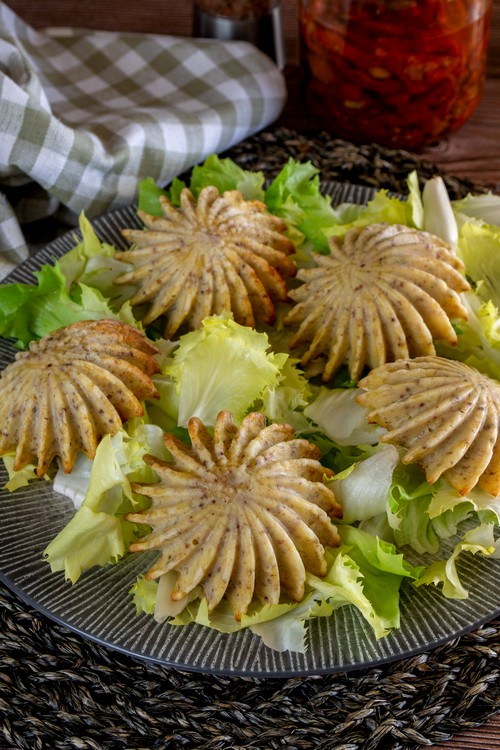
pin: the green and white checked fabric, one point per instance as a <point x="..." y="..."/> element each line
<point x="85" y="115"/>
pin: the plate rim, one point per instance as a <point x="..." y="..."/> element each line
<point x="21" y="273"/>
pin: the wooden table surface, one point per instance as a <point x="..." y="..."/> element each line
<point x="472" y="152"/>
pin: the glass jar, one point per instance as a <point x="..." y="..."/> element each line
<point x="256" y="21"/>
<point x="400" y="73"/>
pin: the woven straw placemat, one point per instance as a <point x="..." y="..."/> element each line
<point x="59" y="691"/>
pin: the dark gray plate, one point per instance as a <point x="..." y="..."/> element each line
<point x="99" y="606"/>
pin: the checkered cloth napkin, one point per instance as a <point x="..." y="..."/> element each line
<point x="85" y="115"/>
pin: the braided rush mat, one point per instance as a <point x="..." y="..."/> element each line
<point x="59" y="691"/>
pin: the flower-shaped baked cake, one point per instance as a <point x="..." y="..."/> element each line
<point x="445" y="413"/>
<point x="385" y="292"/>
<point x="242" y="514"/>
<point x="218" y="254"/>
<point x="71" y="388"/>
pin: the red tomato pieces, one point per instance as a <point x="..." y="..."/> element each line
<point x="400" y="73"/>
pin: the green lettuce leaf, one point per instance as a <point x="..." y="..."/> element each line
<point x="444" y="573"/>
<point x="29" y="311"/>
<point x="295" y="196"/>
<point x="477" y="500"/>
<point x="342" y="459"/>
<point x="415" y="202"/>
<point x="92" y="263"/>
<point x="20" y="477"/>
<point x="479" y="249"/>
<point x="225" y="174"/>
<point x="285" y="401"/>
<point x="73" y="263"/>
<point x="90" y="538"/>
<point x="382" y="208"/>
<point x="422" y="515"/>
<point x="478" y="343"/>
<point x="288" y="631"/>
<point x="144" y="594"/>
<point x="367" y="573"/>
<point x="386" y="208"/>
<point x="98" y="533"/>
<point x="222" y="366"/>
<point x="149" y="194"/>
<point x="95" y="307"/>
<point x="409" y="499"/>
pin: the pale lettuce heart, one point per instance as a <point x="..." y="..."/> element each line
<point x="439" y="218"/>
<point x="484" y="208"/>
<point x="363" y="491"/>
<point x="339" y="416"/>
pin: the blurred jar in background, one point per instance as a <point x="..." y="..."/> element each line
<point x="255" y="21"/>
<point x="400" y="73"/>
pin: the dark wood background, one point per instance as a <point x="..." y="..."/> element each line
<point x="473" y="151"/>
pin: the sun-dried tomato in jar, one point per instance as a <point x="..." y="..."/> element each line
<point x="396" y="72"/>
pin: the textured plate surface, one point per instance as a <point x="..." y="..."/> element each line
<point x="99" y="606"/>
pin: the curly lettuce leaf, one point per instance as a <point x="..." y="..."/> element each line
<point x="78" y="286"/>
<point x="295" y="196"/>
<point x="444" y="573"/>
<point x="29" y="311"/>
<point x="407" y="511"/>
<point x="90" y="538"/>
<point x="95" y="306"/>
<point x="144" y="594"/>
<point x="73" y="263"/>
<point x="288" y="632"/>
<point x="285" y="401"/>
<point x="477" y="500"/>
<point x="92" y="263"/>
<point x="225" y="174"/>
<point x="385" y="208"/>
<point x="479" y="249"/>
<point x="478" y="343"/>
<point x="221" y="366"/>
<point x="366" y="572"/>
<point x="381" y="208"/>
<point x="429" y="210"/>
<point x="20" y="477"/>
<point x="421" y="515"/>
<point x="98" y="533"/>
